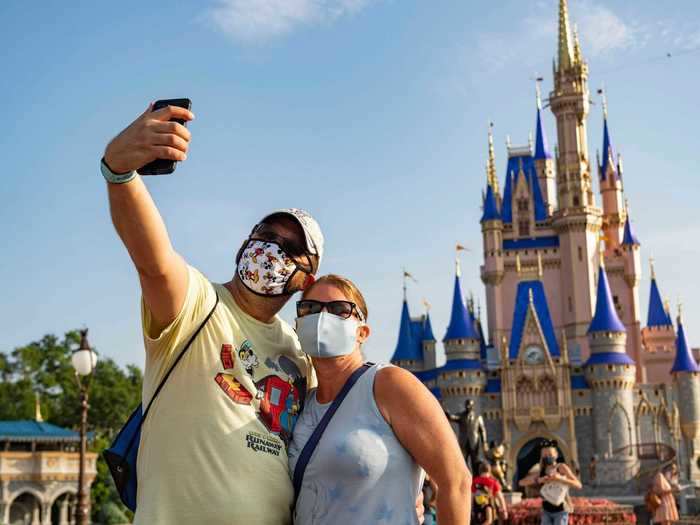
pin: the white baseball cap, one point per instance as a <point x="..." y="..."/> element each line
<point x="312" y="230"/>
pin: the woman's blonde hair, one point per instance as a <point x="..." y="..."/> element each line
<point x="345" y="285"/>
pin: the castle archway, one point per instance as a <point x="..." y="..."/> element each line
<point x="25" y="509"/>
<point x="527" y="454"/>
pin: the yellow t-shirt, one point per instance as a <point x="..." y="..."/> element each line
<point x="213" y="448"/>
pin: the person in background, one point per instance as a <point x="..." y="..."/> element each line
<point x="485" y="478"/>
<point x="483" y="507"/>
<point x="430" y="501"/>
<point x="368" y="465"/>
<point x="550" y="470"/>
<point x="666" y="512"/>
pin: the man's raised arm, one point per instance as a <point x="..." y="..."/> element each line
<point x="162" y="271"/>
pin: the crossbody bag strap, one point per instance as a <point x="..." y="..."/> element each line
<point x="177" y="360"/>
<point x="311" y="444"/>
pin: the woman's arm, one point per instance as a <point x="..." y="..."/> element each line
<point x="422" y="428"/>
<point x="532" y="478"/>
<point x="565" y="475"/>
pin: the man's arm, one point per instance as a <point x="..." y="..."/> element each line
<point x="416" y="418"/>
<point x="162" y="272"/>
<point x="451" y="417"/>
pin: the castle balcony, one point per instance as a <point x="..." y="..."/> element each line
<point x="45" y="466"/>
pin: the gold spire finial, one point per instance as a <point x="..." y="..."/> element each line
<point x="458" y="267"/>
<point x="565" y="51"/>
<point x="578" y="58"/>
<point x="667" y="306"/>
<point x="504" y="352"/>
<point x="601" y="250"/>
<point x="37" y="408"/>
<point x="680" y="312"/>
<point x="530" y="142"/>
<point x="426" y="305"/>
<point x="491" y="176"/>
<point x="651" y="268"/>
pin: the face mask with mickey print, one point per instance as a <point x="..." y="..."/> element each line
<point x="265" y="269"/>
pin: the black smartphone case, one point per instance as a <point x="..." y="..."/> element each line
<point x="165" y="166"/>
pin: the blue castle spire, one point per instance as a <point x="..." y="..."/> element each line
<point x="657" y="314"/>
<point x="629" y="238"/>
<point x="684" y="362"/>
<point x="428" y="329"/>
<point x="407" y="349"/>
<point x="605" y="318"/>
<point x="460" y="326"/>
<point x="490" y="207"/>
<point x="608" y="156"/>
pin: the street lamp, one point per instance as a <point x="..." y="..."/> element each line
<point x="83" y="361"/>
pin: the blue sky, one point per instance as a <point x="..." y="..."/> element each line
<point x="372" y="114"/>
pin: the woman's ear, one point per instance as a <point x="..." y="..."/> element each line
<point x="363" y="332"/>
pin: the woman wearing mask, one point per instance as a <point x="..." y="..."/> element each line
<point x="366" y="467"/>
<point x="554" y="479"/>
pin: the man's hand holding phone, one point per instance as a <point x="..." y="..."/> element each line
<point x="150" y="137"/>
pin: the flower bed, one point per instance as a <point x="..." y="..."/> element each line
<point x="586" y="511"/>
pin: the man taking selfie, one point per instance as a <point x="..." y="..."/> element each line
<point x="213" y="447"/>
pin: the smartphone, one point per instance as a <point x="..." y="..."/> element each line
<point x="165" y="166"/>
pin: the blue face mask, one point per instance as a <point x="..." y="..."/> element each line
<point x="327" y="335"/>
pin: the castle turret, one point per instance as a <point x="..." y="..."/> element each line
<point x="428" y="343"/>
<point x="408" y="353"/>
<point x="626" y="289"/>
<point x="492" y="271"/>
<point x="570" y="103"/>
<point x="610" y="190"/>
<point x="658" y="336"/>
<point x="610" y="372"/>
<point x="462" y="376"/>
<point x="686" y="382"/>
<point x="577" y="220"/>
<point x="544" y="165"/>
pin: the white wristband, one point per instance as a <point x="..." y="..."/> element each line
<point x="115" y="178"/>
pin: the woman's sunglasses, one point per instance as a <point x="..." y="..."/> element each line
<point x="343" y="309"/>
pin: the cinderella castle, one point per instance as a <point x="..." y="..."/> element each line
<point x="565" y="354"/>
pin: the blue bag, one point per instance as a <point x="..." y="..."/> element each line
<point x="121" y="455"/>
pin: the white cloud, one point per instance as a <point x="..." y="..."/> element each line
<point x="602" y="31"/>
<point x="254" y="21"/>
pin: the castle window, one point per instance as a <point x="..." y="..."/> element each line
<point x="523" y="204"/>
<point x="524" y="228"/>
<point x="580" y="254"/>
<point x="571" y="305"/>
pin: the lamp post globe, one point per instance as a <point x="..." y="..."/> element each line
<point x="83" y="361"/>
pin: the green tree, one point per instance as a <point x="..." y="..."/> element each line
<point x="44" y="367"/>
